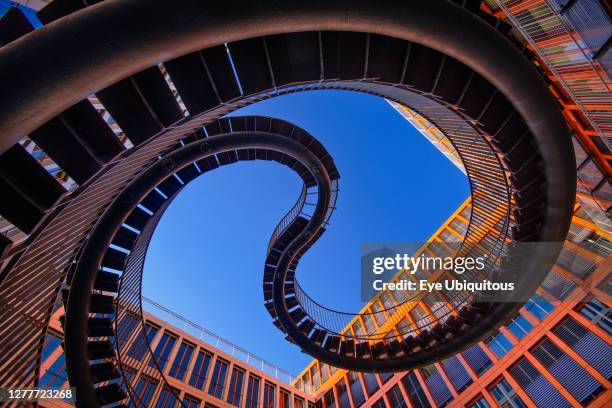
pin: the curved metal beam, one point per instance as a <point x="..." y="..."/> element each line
<point x="77" y="312"/>
<point x="80" y="48"/>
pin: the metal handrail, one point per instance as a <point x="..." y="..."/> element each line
<point x="495" y="192"/>
<point x="553" y="12"/>
<point x="218" y="341"/>
<point x="291" y="215"/>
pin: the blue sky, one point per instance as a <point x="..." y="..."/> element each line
<point x="207" y="255"/>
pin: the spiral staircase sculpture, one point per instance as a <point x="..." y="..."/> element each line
<point x="451" y="63"/>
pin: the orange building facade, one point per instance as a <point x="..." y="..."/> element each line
<point x="209" y="373"/>
<point x="556" y="352"/>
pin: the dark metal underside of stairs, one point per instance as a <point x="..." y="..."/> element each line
<point x="527" y="162"/>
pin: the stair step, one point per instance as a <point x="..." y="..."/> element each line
<point x="114" y="259"/>
<point x="107" y="281"/>
<point x="347" y="348"/>
<point x="110" y="393"/>
<point x="105" y="371"/>
<point x="332" y="343"/>
<point x="100" y="327"/>
<point x="125" y="238"/>
<point x="102" y="304"/>
<point x="363" y="351"/>
<point x="318" y="336"/>
<point x="306" y="326"/>
<point x="97" y="350"/>
<point x="27" y="193"/>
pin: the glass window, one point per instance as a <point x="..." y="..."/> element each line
<point x="387" y="300"/>
<point x="404" y="327"/>
<point x="587" y="345"/>
<point x="395" y="397"/>
<point x="459" y="226"/>
<point x="200" y="369"/>
<point x="415" y="391"/>
<point x="480" y="403"/>
<point x="590" y="240"/>
<point x="330" y="401"/>
<point x="235" y="390"/>
<point x="269" y="396"/>
<point x="314" y="372"/>
<point x="181" y="361"/>
<point x="128" y="375"/>
<point x="144" y="391"/>
<point x="163" y="350"/>
<point x="575" y="263"/>
<point x="538" y="306"/>
<point x="307" y="387"/>
<point x="520" y="326"/>
<point x="420" y="317"/>
<point x="603" y="194"/>
<point x="252" y="400"/>
<point x="436" y="385"/>
<point x="590" y="175"/>
<point x="324" y="371"/>
<point x="466" y="212"/>
<point x="190" y="402"/>
<point x="499" y="344"/>
<point x="581" y="154"/>
<point x="506" y="396"/>
<point x="597" y="312"/>
<point x="369" y="323"/>
<point x="127" y="325"/>
<point x="55" y="376"/>
<point x="167" y="398"/>
<point x="145" y="337"/>
<point x="217" y="381"/>
<point x="377" y="312"/>
<point x="440" y="250"/>
<point x="284" y="399"/>
<point x="52" y="342"/>
<point x="356" y="388"/>
<point x="379" y="404"/>
<point x="558" y="286"/>
<point x="537" y="386"/>
<point x="358" y="328"/>
<point x="298" y="402"/>
<point x="457" y="374"/>
<point x="448" y="236"/>
<point x="437" y="306"/>
<point x="477" y="359"/>
<point x="573" y="377"/>
<point x="371" y="383"/>
<point x="343" y="397"/>
<point x="385" y="377"/>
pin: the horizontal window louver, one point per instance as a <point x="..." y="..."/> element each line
<point x="558" y="286"/>
<point x="438" y="388"/>
<point x="415" y="391"/>
<point x="477" y="359"/>
<point x="457" y="373"/>
<point x="539" y="389"/>
<point x="575" y="263"/>
<point x="587" y="345"/>
<point x="582" y="385"/>
<point x="591" y="21"/>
